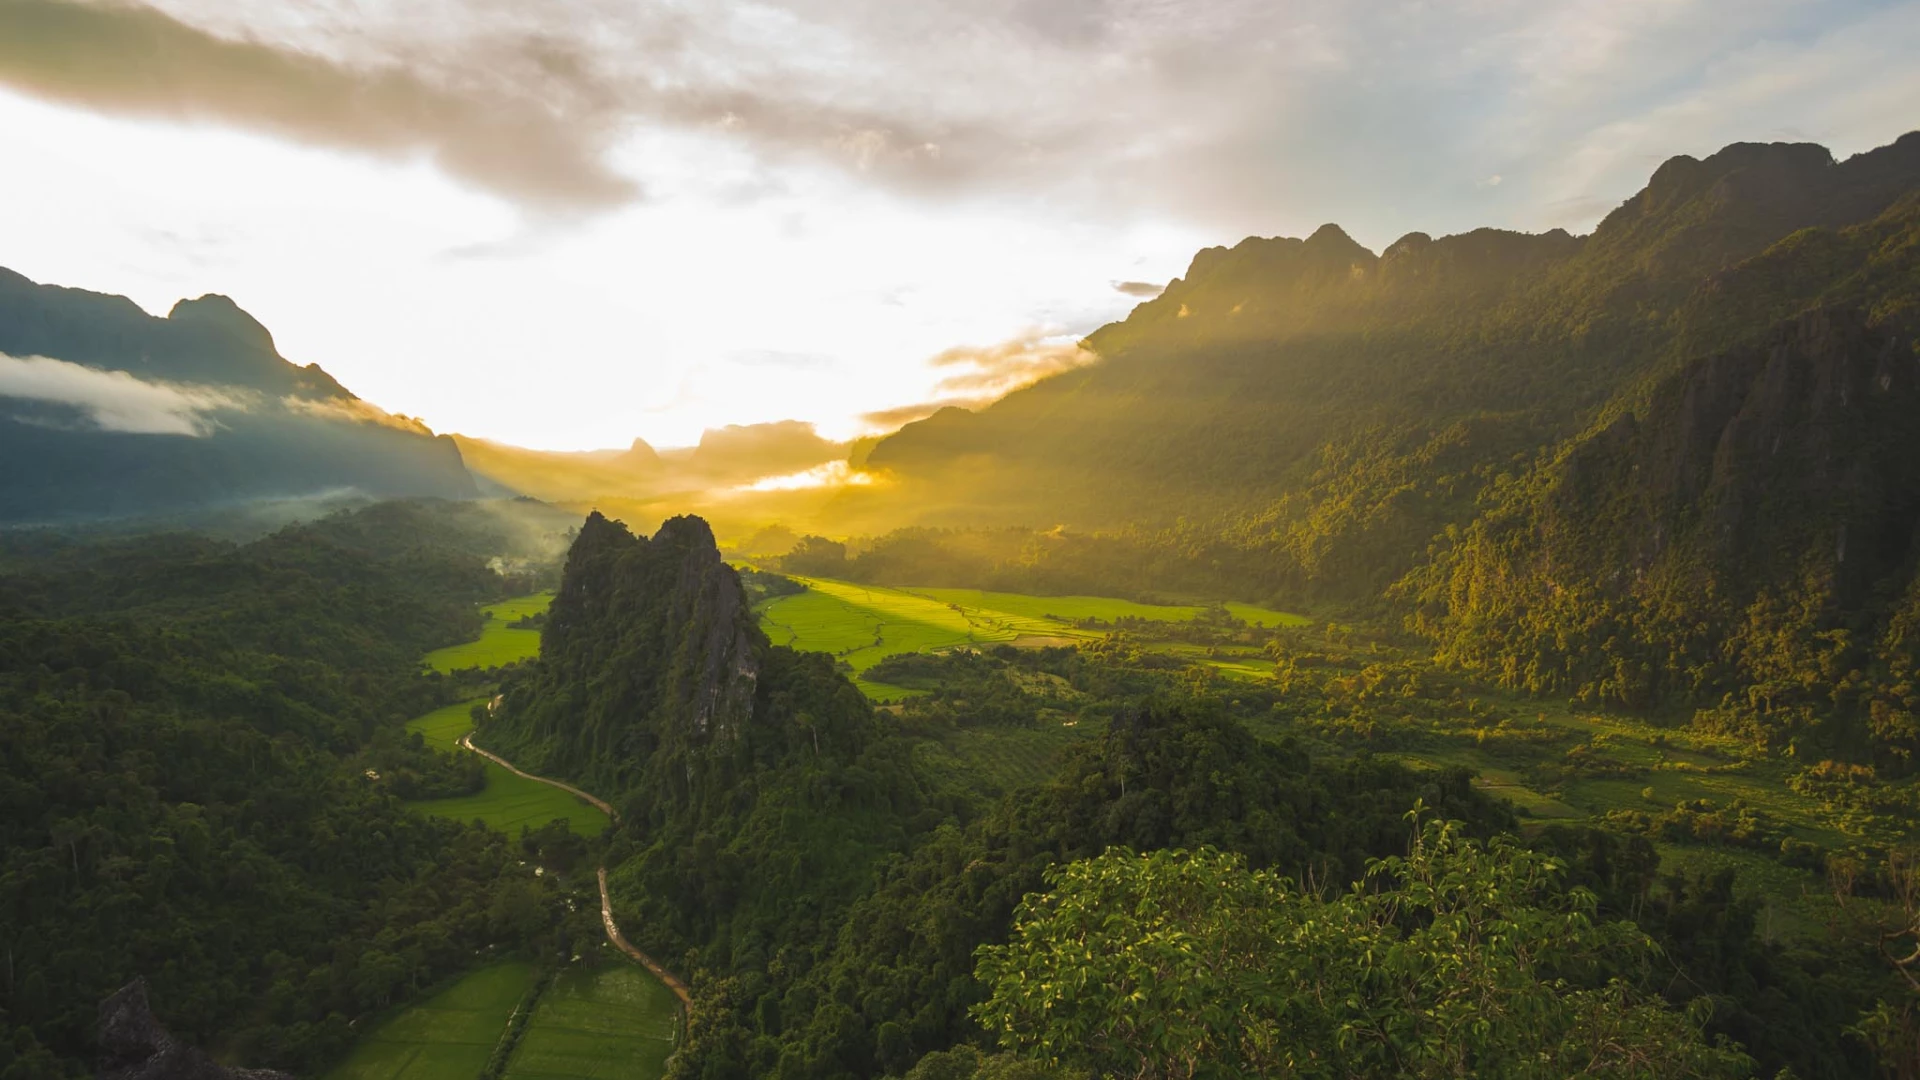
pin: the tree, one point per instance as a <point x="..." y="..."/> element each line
<point x="1892" y="1027"/>
<point x="1457" y="960"/>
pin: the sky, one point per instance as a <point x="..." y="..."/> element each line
<point x="573" y="223"/>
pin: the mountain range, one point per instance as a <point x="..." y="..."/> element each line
<point x="1305" y="417"/>
<point x="106" y="411"/>
<point x="1257" y="382"/>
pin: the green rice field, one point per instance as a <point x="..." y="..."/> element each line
<point x="499" y="643"/>
<point x="617" y="1022"/>
<point x="1053" y="608"/>
<point x="862" y="624"/>
<point x="508" y="802"/>
<point x="449" y="1036"/>
<point x="443" y="727"/>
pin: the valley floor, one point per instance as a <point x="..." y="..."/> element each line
<point x="610" y="1019"/>
<point x="1709" y="802"/>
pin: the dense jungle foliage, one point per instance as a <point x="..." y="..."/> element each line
<point x="829" y="898"/>
<point x="186" y="733"/>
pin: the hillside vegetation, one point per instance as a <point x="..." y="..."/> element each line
<point x="202" y="774"/>
<point x="827" y="874"/>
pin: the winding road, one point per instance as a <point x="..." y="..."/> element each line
<point x="606" y="900"/>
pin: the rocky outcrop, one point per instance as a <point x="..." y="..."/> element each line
<point x="709" y="612"/>
<point x="650" y="652"/>
<point x="655" y="682"/>
<point x="133" y="1046"/>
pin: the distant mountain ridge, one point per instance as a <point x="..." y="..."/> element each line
<point x="1672" y="465"/>
<point x="1247" y="390"/>
<point x="107" y="411"/>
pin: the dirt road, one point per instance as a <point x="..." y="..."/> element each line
<point x="466" y="741"/>
<point x="606" y="901"/>
<point x="619" y="942"/>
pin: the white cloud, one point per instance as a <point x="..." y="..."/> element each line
<point x="114" y="400"/>
<point x="796" y="204"/>
<point x="996" y="370"/>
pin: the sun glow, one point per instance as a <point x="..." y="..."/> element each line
<point x="831" y="474"/>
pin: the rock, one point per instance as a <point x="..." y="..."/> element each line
<point x="133" y="1045"/>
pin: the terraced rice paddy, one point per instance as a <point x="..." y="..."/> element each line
<point x="449" y="1036"/>
<point x="499" y="643"/>
<point x="508" y="802"/>
<point x="862" y="624"/>
<point x="617" y="1022"/>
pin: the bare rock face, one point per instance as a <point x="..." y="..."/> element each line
<point x="650" y="647"/>
<point x="133" y="1046"/>
<point x="709" y="612"/>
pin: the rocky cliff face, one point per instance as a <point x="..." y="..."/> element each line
<point x="133" y="1046"/>
<point x="654" y="677"/>
<point x="674" y="597"/>
<point x="1744" y="541"/>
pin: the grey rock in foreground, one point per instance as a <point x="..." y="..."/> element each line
<point x="133" y="1045"/>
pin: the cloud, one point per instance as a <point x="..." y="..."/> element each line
<point x="829" y="474"/>
<point x="1146" y="290"/>
<point x="780" y="358"/>
<point x="115" y="400"/>
<point x="536" y="131"/>
<point x="997" y="370"/>
<point x="353" y="410"/>
<point x="1234" y="116"/>
<point x="991" y="372"/>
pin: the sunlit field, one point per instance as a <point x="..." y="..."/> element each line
<point x="443" y="727"/>
<point x="616" y="1023"/>
<point x="862" y="624"/>
<point x="1052" y="609"/>
<point x="508" y="802"/>
<point x="449" y="1036"/>
<point x="500" y="643"/>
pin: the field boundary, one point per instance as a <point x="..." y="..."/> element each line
<point x="516" y="1027"/>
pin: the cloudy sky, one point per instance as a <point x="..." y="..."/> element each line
<point x="568" y="223"/>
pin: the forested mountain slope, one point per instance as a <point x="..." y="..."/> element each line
<point x="1748" y="543"/>
<point x="200" y="753"/>
<point x="1324" y="411"/>
<point x="107" y="411"/>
